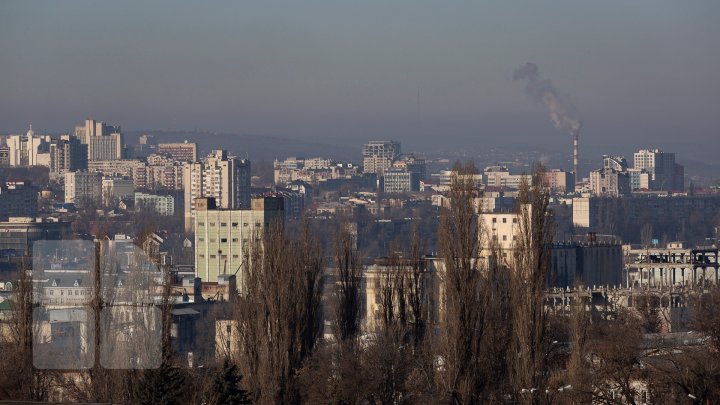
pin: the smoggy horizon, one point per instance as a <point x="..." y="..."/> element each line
<point x="636" y="75"/>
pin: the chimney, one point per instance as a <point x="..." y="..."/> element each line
<point x="575" y="157"/>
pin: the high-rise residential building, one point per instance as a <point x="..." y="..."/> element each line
<point x="105" y="142"/>
<point x="378" y="156"/>
<point x="223" y="237"/>
<point x="219" y="176"/>
<point x="181" y="151"/>
<point x="67" y="154"/>
<point x="609" y="182"/>
<point x="109" y="147"/>
<point x="664" y="173"/>
<point x="613" y="180"/>
<point x="132" y="168"/>
<point x="94" y="128"/>
<point x="81" y="186"/>
<point x="163" y="173"/>
<point x="28" y="150"/>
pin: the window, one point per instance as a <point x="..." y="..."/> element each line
<point x="201" y="256"/>
<point x="201" y="239"/>
<point x="223" y="224"/>
<point x="201" y="223"/>
<point x="514" y="220"/>
<point x="213" y="257"/>
<point x="504" y="237"/>
<point x="245" y="224"/>
<point x="234" y="239"/>
<point x="51" y="292"/>
<point x="504" y="220"/>
<point x="234" y="224"/>
<point x="223" y="240"/>
<point x="212" y="223"/>
<point x="235" y="256"/>
<point x="494" y="220"/>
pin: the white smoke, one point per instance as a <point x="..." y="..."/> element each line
<point x="562" y="112"/>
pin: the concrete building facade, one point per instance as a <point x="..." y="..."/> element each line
<point x="664" y="173"/>
<point x="81" y="186"/>
<point x="223" y="237"/>
<point x="162" y="204"/>
<point x="378" y="156"/>
<point x="179" y="151"/>
<point x="400" y="181"/>
<point x="222" y="177"/>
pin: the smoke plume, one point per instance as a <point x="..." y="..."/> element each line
<point x="562" y="113"/>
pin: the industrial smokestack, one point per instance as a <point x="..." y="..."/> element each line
<point x="576" y="170"/>
<point x="561" y="111"/>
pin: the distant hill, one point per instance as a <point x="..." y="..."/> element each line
<point x="257" y="147"/>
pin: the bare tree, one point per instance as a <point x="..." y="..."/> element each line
<point x="578" y="375"/>
<point x="16" y="352"/>
<point x="278" y="314"/>
<point x="528" y="272"/>
<point x="347" y="286"/>
<point x="465" y="302"/>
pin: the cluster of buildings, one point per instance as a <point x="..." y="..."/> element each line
<point x="225" y="217"/>
<point x="653" y="170"/>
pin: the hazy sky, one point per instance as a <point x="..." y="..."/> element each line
<point x="641" y="72"/>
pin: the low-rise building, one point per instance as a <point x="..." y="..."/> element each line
<point x="671" y="266"/>
<point x="18" y="199"/>
<point x="18" y="234"/>
<point x="161" y="204"/>
<point x="115" y="188"/>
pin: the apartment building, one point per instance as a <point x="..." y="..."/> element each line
<point x="219" y="176"/>
<point x="378" y="156"/>
<point x="81" y="186"/>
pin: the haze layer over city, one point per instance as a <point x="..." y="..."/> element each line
<point x="404" y="202"/>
